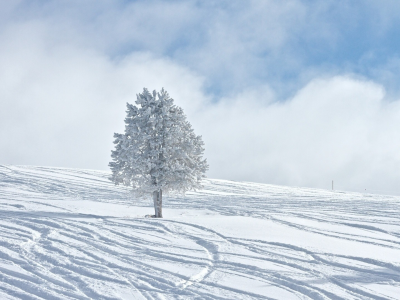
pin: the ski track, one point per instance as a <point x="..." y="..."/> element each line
<point x="53" y="247"/>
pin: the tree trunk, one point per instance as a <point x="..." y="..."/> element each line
<point x="157" y="198"/>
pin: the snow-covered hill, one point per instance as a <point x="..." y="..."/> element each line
<point x="71" y="234"/>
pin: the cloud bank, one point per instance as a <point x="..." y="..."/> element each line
<point x="268" y="85"/>
<point x="339" y="128"/>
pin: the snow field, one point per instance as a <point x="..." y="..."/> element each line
<point x="71" y="234"/>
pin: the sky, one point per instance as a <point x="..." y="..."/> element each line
<point x="292" y="92"/>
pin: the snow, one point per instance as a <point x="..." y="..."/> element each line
<point x="71" y="234"/>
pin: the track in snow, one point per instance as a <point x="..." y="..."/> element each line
<point x="71" y="234"/>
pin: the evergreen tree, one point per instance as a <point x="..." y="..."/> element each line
<point x="159" y="150"/>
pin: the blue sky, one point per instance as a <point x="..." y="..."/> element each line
<point x="248" y="74"/>
<point x="234" y="44"/>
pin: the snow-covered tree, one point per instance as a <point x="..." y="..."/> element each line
<point x="159" y="151"/>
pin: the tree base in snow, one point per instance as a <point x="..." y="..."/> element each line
<point x="152" y="216"/>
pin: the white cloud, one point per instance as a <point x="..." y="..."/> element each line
<point x="61" y="104"/>
<point x="338" y="128"/>
<point x="64" y="87"/>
